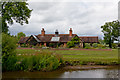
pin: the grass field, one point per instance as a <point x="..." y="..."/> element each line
<point x="82" y="56"/>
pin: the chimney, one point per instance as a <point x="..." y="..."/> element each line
<point x="70" y="32"/>
<point x="43" y="32"/>
<point x="56" y="33"/>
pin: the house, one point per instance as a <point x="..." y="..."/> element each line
<point x="55" y="39"/>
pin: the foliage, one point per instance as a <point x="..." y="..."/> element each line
<point x="87" y="46"/>
<point x="101" y="41"/>
<point x="114" y="45"/>
<point x="8" y="51"/>
<point x="8" y="45"/>
<point x="39" y="60"/>
<point x="95" y="45"/>
<point x="75" y="40"/>
<point x="111" y="31"/>
<point x="20" y="34"/>
<point x="80" y="57"/>
<point x="100" y="46"/>
<point x="9" y="63"/>
<point x="17" y="11"/>
<point x="51" y="45"/>
<point x="24" y="45"/>
<point x="70" y="44"/>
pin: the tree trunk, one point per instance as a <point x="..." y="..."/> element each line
<point x="110" y="43"/>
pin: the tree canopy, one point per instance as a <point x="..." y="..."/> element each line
<point x="14" y="11"/>
<point x="20" y="34"/>
<point x="111" y="32"/>
<point x="75" y="40"/>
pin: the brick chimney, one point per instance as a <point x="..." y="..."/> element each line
<point x="43" y="32"/>
<point x="70" y="32"/>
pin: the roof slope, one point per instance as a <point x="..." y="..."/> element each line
<point x="89" y="39"/>
<point x="63" y="38"/>
<point x="48" y="37"/>
<point x="23" y="40"/>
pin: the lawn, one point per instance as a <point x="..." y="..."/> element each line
<point x="83" y="56"/>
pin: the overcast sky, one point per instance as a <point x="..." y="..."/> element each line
<point x="85" y="17"/>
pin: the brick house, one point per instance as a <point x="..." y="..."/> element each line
<point x="62" y="39"/>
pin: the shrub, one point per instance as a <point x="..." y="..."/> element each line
<point x="24" y="45"/>
<point x="41" y="61"/>
<point x="9" y="63"/>
<point x="114" y="45"/>
<point x="8" y="50"/>
<point x="51" y="45"/>
<point x="95" y="45"/>
<point x="8" y="45"/>
<point x="87" y="46"/>
<point x="100" y="46"/>
<point x="75" y="41"/>
<point x="70" y="44"/>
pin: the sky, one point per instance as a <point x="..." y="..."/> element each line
<point x="85" y="17"/>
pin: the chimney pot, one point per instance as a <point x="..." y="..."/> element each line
<point x="56" y="33"/>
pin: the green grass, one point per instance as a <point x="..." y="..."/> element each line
<point x="83" y="56"/>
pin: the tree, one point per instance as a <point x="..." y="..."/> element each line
<point x="70" y="44"/>
<point x="14" y="11"/>
<point x="74" y="41"/>
<point x="111" y="32"/>
<point x="20" y="34"/>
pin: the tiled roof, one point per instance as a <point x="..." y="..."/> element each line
<point x="23" y="40"/>
<point x="48" y="37"/>
<point x="89" y="39"/>
<point x="63" y="38"/>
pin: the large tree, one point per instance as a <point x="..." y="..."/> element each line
<point x="14" y="11"/>
<point x="111" y="32"/>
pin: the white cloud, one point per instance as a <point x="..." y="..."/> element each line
<point x="85" y="17"/>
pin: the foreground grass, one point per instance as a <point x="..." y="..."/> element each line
<point x="76" y="57"/>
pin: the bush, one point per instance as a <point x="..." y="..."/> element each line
<point x="41" y="61"/>
<point x="51" y="45"/>
<point x="8" y="47"/>
<point x="95" y="45"/>
<point x="100" y="46"/>
<point x="9" y="64"/>
<point x="87" y="46"/>
<point x="8" y="51"/>
<point x="70" y="44"/>
<point x="24" y="45"/>
<point x="114" y="45"/>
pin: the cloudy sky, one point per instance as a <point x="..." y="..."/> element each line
<point x="85" y="17"/>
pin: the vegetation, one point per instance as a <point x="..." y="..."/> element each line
<point x="81" y="57"/>
<point x="111" y="31"/>
<point x="95" y="45"/>
<point x="101" y="42"/>
<point x="39" y="60"/>
<point x="19" y="35"/>
<point x="114" y="45"/>
<point x="73" y="42"/>
<point x="70" y="44"/>
<point x="8" y="45"/>
<point x="8" y="49"/>
<point x="17" y="11"/>
<point x="87" y="46"/>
